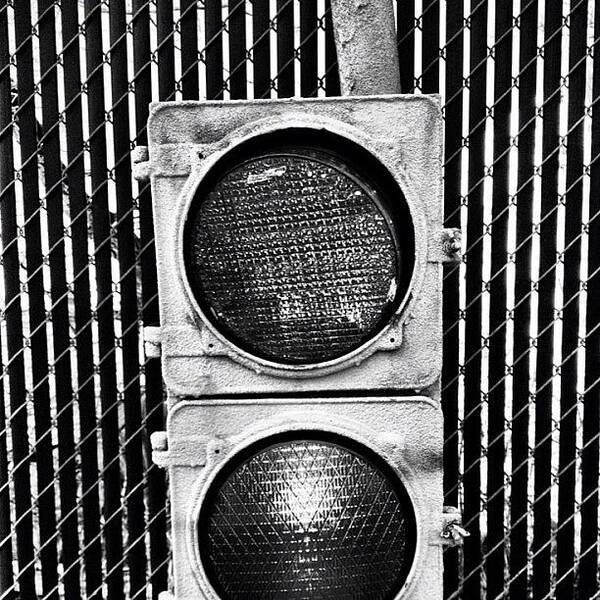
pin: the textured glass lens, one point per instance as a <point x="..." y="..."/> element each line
<point x="292" y="257"/>
<point x="307" y="519"/>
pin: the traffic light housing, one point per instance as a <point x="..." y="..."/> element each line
<point x="300" y="246"/>
<point x="387" y="153"/>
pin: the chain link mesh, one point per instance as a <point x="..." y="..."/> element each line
<point x="83" y="511"/>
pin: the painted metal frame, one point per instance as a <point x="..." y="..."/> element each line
<point x="205" y="434"/>
<point x="186" y="140"/>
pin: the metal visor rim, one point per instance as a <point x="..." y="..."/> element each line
<point x="389" y="215"/>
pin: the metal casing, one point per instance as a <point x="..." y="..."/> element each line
<point x="204" y="434"/>
<point x="186" y="139"/>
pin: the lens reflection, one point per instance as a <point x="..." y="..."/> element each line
<point x="307" y="518"/>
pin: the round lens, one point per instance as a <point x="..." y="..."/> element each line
<point x="294" y="256"/>
<point x="307" y="518"/>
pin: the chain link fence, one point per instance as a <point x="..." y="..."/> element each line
<point x="82" y="509"/>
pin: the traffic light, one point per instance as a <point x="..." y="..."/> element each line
<point x="299" y="246"/>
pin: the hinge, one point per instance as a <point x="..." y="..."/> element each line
<point x="141" y="163"/>
<point x="160" y="448"/>
<point x="152" y="341"/>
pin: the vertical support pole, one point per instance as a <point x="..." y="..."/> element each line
<point x="367" y="49"/>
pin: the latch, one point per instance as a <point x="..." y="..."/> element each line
<point x="453" y="533"/>
<point x="445" y="247"/>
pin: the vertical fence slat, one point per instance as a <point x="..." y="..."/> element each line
<point x="452" y="172"/>
<point x="237" y="49"/>
<point x="472" y="407"/>
<point x="135" y="549"/>
<point x="521" y="336"/>
<point x="111" y="479"/>
<point x="308" y="48"/>
<point x="431" y="47"/>
<point x="188" y="24"/>
<point x="590" y="454"/>
<point x="261" y="48"/>
<point x="496" y="497"/>
<point x="75" y="182"/>
<point x="42" y="450"/>
<point x="165" y="49"/>
<point x="213" y="49"/>
<point x="565" y="535"/>
<point x="156" y="488"/>
<point x="285" y="48"/>
<point x="12" y="314"/>
<point x="542" y="525"/>
<point x="332" y="76"/>
<point x="406" y="43"/>
<point x="56" y="256"/>
<point x="6" y="567"/>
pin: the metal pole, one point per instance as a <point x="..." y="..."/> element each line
<point x="367" y="50"/>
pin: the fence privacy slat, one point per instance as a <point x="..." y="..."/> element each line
<point x="56" y="257"/>
<point x="165" y="49"/>
<point x="522" y="303"/>
<point x="82" y="338"/>
<point x="236" y="21"/>
<point x="452" y="203"/>
<point x="213" y="49"/>
<point x="261" y="48"/>
<point x="14" y="337"/>
<point x="431" y="47"/>
<point x="188" y="25"/>
<point x="496" y="497"/>
<point x="473" y="324"/>
<point x="152" y="418"/>
<point x="37" y="336"/>
<point x="105" y="364"/>
<point x="332" y="76"/>
<point x="285" y="48"/>
<point x="542" y="523"/>
<point x="135" y="555"/>
<point x="590" y="455"/>
<point x="565" y="535"/>
<point x="406" y="41"/>
<point x="309" y="27"/>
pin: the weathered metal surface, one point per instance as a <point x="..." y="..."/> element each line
<point x="206" y="435"/>
<point x="187" y="139"/>
<point x="367" y="47"/>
